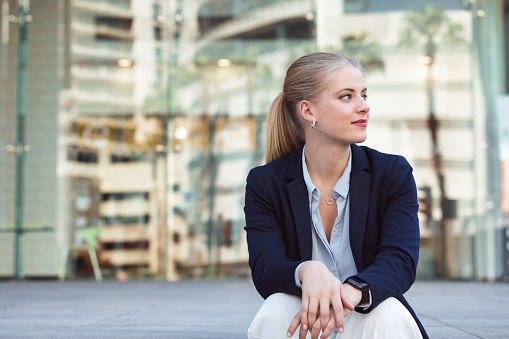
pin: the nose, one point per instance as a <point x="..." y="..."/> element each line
<point x="363" y="107"/>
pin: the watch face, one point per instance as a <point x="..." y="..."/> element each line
<point x="358" y="284"/>
<point x="363" y="286"/>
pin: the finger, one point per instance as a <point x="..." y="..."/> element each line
<point x="294" y="325"/>
<point x="304" y="313"/>
<point x="346" y="313"/>
<point x="338" y="310"/>
<point x="312" y="312"/>
<point x="324" y="312"/>
<point x="345" y="300"/>
<point x="330" y="325"/>
<point x="303" y="333"/>
<point x="315" y="330"/>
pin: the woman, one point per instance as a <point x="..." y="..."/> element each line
<point x="332" y="227"/>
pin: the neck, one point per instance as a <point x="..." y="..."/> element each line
<point x="326" y="164"/>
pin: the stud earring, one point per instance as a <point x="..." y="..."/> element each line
<point x="313" y="124"/>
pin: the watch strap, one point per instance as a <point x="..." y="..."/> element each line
<point x="362" y="286"/>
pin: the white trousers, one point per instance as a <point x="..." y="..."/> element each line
<point x="389" y="320"/>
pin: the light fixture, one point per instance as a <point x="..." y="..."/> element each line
<point x="309" y="16"/>
<point x="480" y="13"/>
<point x="124" y="63"/>
<point x="179" y="18"/>
<point x="224" y="62"/>
<point x="181" y="133"/>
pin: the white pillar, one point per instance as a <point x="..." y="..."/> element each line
<point x="329" y="15"/>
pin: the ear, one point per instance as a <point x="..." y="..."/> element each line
<point x="305" y="111"/>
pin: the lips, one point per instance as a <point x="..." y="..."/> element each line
<point x="360" y="123"/>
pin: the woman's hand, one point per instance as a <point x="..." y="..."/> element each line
<point x="354" y="295"/>
<point x="324" y="301"/>
<point x="315" y="329"/>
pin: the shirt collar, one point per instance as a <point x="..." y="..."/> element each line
<point x="342" y="186"/>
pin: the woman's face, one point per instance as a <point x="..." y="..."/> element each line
<point x="341" y="112"/>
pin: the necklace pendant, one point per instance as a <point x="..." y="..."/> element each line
<point x="329" y="201"/>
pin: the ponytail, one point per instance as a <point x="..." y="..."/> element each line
<point x="283" y="134"/>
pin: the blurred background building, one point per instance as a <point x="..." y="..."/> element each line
<point x="129" y="126"/>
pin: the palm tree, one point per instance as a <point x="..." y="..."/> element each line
<point x="426" y="26"/>
<point x="368" y="53"/>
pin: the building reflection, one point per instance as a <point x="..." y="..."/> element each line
<point x="146" y="116"/>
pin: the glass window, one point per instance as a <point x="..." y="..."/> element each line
<point x="143" y="118"/>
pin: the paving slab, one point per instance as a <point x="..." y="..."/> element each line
<point x="462" y="309"/>
<point x="215" y="309"/>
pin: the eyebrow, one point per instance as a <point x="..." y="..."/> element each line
<point x="351" y="90"/>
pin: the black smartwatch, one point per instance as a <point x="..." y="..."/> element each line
<point x="361" y="286"/>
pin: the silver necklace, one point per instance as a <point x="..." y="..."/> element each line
<point x="329" y="201"/>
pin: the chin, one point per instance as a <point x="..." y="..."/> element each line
<point x="360" y="139"/>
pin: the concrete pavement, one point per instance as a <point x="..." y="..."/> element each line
<point x="215" y="309"/>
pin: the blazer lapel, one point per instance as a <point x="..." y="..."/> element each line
<point x="360" y="191"/>
<point x="298" y="195"/>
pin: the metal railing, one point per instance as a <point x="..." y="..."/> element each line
<point x="259" y="16"/>
<point x="122" y="4"/>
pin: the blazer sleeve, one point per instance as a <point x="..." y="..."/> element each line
<point x="272" y="270"/>
<point x="394" y="267"/>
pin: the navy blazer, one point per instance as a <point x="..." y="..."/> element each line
<point x="384" y="228"/>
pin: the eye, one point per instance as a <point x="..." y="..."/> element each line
<point x="365" y="96"/>
<point x="346" y="97"/>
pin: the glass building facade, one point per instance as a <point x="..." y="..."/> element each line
<point x="129" y="126"/>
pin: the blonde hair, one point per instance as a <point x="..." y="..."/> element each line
<point x="305" y="79"/>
